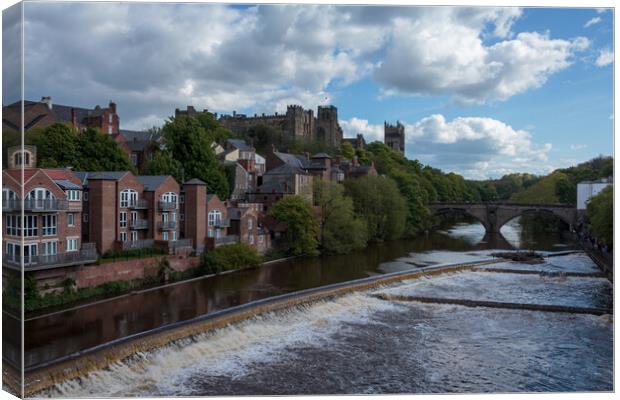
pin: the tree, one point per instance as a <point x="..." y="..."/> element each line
<point x="188" y="141"/>
<point x="347" y="150"/>
<point x="300" y="235"/>
<point x="164" y="164"/>
<point x="340" y="230"/>
<point x="600" y="212"/>
<point x="99" y="152"/>
<point x="57" y="146"/>
<point x="379" y="201"/>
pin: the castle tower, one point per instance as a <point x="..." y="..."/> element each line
<point x="328" y="129"/>
<point x="394" y="136"/>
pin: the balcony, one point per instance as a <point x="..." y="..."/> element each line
<point x="226" y="240"/>
<point x="167" y="225"/>
<point x="167" y="205"/>
<point x="35" y="205"/>
<point x="137" y="244"/>
<point x="141" y="204"/>
<point x="222" y="224"/>
<point x="136" y="224"/>
<point x="87" y="255"/>
<point x="171" y="246"/>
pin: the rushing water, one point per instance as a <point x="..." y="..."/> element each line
<point x="358" y="343"/>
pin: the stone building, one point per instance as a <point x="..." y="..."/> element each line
<point x="394" y="136"/>
<point x="297" y="123"/>
<point x="41" y="114"/>
<point x="358" y="142"/>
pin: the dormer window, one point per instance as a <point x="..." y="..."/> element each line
<point x="22" y="158"/>
<point x="73" y="195"/>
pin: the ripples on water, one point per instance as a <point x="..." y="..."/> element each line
<point x="360" y="344"/>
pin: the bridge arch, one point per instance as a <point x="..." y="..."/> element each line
<point x="494" y="215"/>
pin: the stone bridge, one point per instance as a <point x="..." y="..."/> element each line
<point x="494" y="215"/>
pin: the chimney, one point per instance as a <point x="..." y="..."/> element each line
<point x="234" y="113"/>
<point x="307" y="155"/>
<point x="47" y="100"/>
<point x="112" y="107"/>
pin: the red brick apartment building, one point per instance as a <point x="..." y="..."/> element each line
<point x="52" y="203"/>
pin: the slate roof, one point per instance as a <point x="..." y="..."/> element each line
<point x="273" y="187"/>
<point x="151" y="182"/>
<point x="321" y="155"/>
<point x="65" y="184"/>
<point x="103" y="175"/>
<point x="195" y="181"/>
<point x="285" y="169"/>
<point x="240" y="144"/>
<point x="139" y="136"/>
<point x="296" y="160"/>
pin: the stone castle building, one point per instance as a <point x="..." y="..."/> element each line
<point x="394" y="136"/>
<point x="297" y="123"/>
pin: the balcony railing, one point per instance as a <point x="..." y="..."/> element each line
<point x="141" y="204"/>
<point x="139" y="224"/>
<point x="88" y="254"/>
<point x="35" y="205"/>
<point x="226" y="240"/>
<point x="167" y="205"/>
<point x="137" y="244"/>
<point x="222" y="224"/>
<point x="167" y="225"/>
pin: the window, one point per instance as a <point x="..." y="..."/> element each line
<point x="210" y="234"/>
<point x="134" y="236"/>
<point x="251" y="238"/>
<point x="85" y="196"/>
<point x="174" y="235"/>
<point x="72" y="245"/>
<point x="31" y="227"/>
<point x="215" y="217"/>
<point x="85" y="217"/>
<point x="134" y="159"/>
<point x="49" y="225"/>
<point x="50" y="248"/>
<point x="110" y="118"/>
<point x="73" y="195"/>
<point x="182" y="199"/>
<point x="8" y="195"/>
<point x="70" y="219"/>
<point x="122" y="219"/>
<point x="12" y="225"/>
<point x="11" y="250"/>
<point x="123" y="236"/>
<point x="19" y="159"/>
<point x="39" y="193"/>
<point x="170" y="197"/>
<point x="249" y="224"/>
<point x="109" y="130"/>
<point x="128" y="197"/>
<point x="165" y="235"/>
<point x="181" y="217"/>
<point x="174" y="216"/>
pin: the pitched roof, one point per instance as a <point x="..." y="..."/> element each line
<point x="102" y="175"/>
<point x="195" y="181"/>
<point x="64" y="184"/>
<point x="139" y="136"/>
<point x="285" y="169"/>
<point x="321" y="155"/>
<point x="152" y="182"/>
<point x="296" y="160"/>
<point x="240" y="144"/>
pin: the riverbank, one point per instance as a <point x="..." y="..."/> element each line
<point x="44" y="375"/>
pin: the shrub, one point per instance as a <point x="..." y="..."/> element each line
<point x="229" y="257"/>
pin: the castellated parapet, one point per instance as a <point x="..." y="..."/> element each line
<point x="298" y="123"/>
<point x="394" y="136"/>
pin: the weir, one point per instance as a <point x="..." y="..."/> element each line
<point x="45" y="375"/>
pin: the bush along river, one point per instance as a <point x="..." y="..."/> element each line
<point x="502" y="327"/>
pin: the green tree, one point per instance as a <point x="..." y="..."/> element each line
<point x="57" y="146"/>
<point x="347" y="150"/>
<point x="340" y="230"/>
<point x="164" y="164"/>
<point x="600" y="212"/>
<point x="379" y="201"/>
<point x="302" y="228"/>
<point x="99" y="152"/>
<point x="187" y="140"/>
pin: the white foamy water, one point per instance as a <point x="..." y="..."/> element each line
<point x="224" y="352"/>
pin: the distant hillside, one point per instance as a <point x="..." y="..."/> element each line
<point x="544" y="191"/>
<point x="561" y="185"/>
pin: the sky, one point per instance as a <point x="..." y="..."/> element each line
<point x="481" y="91"/>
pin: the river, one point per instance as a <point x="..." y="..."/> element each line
<point x="358" y="343"/>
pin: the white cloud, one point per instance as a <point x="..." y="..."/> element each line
<point x="578" y="146"/>
<point x="593" y="21"/>
<point x="605" y="57"/>
<point x="475" y="147"/>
